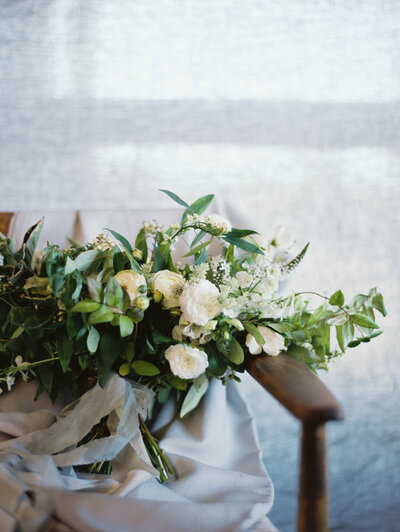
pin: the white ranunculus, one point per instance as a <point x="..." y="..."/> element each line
<point x="274" y="342"/>
<point x="199" y="302"/>
<point x="185" y="361"/>
<point x="130" y="282"/>
<point x="282" y="238"/>
<point x="170" y="285"/>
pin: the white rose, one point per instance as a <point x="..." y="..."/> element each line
<point x="170" y="284"/>
<point x="130" y="282"/>
<point x="274" y="342"/>
<point x="199" y="302"/>
<point x="186" y="362"/>
<point x="282" y="238"/>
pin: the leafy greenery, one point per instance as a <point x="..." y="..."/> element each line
<point x="69" y="317"/>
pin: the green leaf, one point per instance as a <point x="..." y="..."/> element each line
<point x="377" y="302"/>
<point x="94" y="288"/>
<point x="198" y="248"/>
<point x="106" y="355"/>
<point x="31" y="239"/>
<point x="102" y="315"/>
<point x="197" y="238"/>
<point x="337" y="319"/>
<point x="87" y="259"/>
<point x="120" y="238"/>
<point x="364" y="321"/>
<point x="354" y="343"/>
<point x="176" y="198"/>
<point x="252" y="329"/>
<point x="133" y="262"/>
<point x="93" y="339"/>
<point x="337" y="299"/>
<point x="198" y="206"/>
<point x="280" y="327"/>
<point x="125" y="326"/>
<point x="141" y="243"/>
<point x="113" y="293"/>
<point x="242" y="244"/>
<point x="317" y="315"/>
<point x="345" y="334"/>
<point x="70" y="266"/>
<point x="64" y="347"/>
<point x="194" y="395"/>
<point x="46" y="376"/>
<point x="240" y="233"/>
<point x="235" y="353"/>
<point x="118" y="259"/>
<point x="158" y="260"/>
<point x="202" y="257"/>
<point x="142" y="367"/>
<point x="302" y="353"/>
<point x="217" y="363"/>
<point x="86" y="305"/>
<point x="178" y="383"/>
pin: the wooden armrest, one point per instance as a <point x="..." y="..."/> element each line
<point x="296" y="387"/>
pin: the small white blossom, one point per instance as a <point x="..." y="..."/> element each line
<point x="199" y="272"/>
<point x="244" y="278"/>
<point x="185" y="361"/>
<point x="103" y="243"/>
<point x="10" y="382"/>
<point x="221" y="224"/>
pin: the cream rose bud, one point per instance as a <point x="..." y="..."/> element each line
<point x="199" y="302"/>
<point x="185" y="361"/>
<point x="130" y="282"/>
<point x="274" y="342"/>
<point x="170" y="285"/>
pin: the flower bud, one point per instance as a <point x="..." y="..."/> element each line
<point x="142" y="302"/>
<point x="124" y="369"/>
<point x="157" y="296"/>
<point x="137" y="254"/>
<point x="142" y="289"/>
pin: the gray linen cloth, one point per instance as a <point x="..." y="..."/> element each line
<point x="220" y="485"/>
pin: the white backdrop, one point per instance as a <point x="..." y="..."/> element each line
<point x="289" y="110"/>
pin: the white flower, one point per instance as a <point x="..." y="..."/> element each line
<point x="185" y="361"/>
<point x="10" y="382"/>
<point x="170" y="285"/>
<point x="104" y="243"/>
<point x="274" y="342"/>
<point x="219" y="222"/>
<point x="282" y="238"/>
<point x="130" y="282"/>
<point x="199" y="302"/>
<point x="244" y="278"/>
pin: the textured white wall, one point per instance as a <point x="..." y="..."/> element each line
<point x="290" y="110"/>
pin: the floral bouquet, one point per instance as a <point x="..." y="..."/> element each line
<point x="71" y="318"/>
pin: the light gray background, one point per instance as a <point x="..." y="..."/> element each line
<point x="289" y="110"/>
